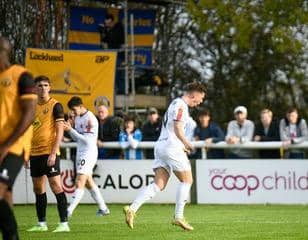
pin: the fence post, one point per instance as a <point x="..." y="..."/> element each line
<point x="193" y="190"/>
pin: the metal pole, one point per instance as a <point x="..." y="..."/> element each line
<point x="132" y="54"/>
<point x="22" y="36"/>
<point x="126" y="53"/>
<point x="203" y="153"/>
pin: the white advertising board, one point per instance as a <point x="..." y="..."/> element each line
<point x="252" y="181"/>
<point x="119" y="181"/>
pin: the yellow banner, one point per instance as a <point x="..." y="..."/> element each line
<point x="87" y="74"/>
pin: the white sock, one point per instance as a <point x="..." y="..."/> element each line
<point x="75" y="200"/>
<point x="97" y="196"/>
<point x="182" y="194"/>
<point x="144" y="195"/>
<point x="42" y="224"/>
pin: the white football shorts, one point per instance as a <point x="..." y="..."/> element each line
<point x="85" y="166"/>
<point x="170" y="158"/>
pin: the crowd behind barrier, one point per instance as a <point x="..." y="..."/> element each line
<point x="201" y="145"/>
<point x="129" y="136"/>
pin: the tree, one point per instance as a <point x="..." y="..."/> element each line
<point x="171" y="57"/>
<point x="254" y="52"/>
<point x="39" y="23"/>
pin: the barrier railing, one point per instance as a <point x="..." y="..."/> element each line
<point x="204" y="146"/>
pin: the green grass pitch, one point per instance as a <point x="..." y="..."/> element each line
<point x="264" y="222"/>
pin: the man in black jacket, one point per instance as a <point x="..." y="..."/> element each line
<point x="267" y="130"/>
<point x="108" y="131"/>
<point x="113" y="37"/>
<point x="151" y="130"/>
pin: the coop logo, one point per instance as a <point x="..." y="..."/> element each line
<point x="221" y="180"/>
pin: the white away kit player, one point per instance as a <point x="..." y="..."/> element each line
<point x="170" y="153"/>
<point x="85" y="134"/>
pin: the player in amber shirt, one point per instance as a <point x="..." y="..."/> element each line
<point x="45" y="155"/>
<point x="17" y="111"/>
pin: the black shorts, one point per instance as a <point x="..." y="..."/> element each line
<point x="10" y="168"/>
<point x="39" y="168"/>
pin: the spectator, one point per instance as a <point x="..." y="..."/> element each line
<point x="293" y="129"/>
<point x="112" y="37"/>
<point x="108" y="131"/>
<point x="112" y="33"/>
<point x="129" y="139"/>
<point x="240" y="130"/>
<point x="151" y="130"/>
<point x="267" y="130"/>
<point x="210" y="132"/>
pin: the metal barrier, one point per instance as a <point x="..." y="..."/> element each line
<point x="203" y="146"/>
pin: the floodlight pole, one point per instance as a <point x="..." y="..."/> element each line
<point x="22" y="23"/>
<point x="132" y="54"/>
<point x="126" y="54"/>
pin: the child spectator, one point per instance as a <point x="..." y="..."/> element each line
<point x="129" y="139"/>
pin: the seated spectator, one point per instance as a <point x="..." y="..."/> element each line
<point x="108" y="131"/>
<point x="210" y="132"/>
<point x="129" y="139"/>
<point x="267" y="130"/>
<point x="240" y="130"/>
<point x="293" y="129"/>
<point x="151" y="130"/>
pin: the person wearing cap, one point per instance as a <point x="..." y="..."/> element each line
<point x="151" y="130"/>
<point x="240" y="130"/>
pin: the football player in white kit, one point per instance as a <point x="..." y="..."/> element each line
<point x="85" y="134"/>
<point x="170" y="152"/>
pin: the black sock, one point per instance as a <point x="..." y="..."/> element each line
<point x="62" y="206"/>
<point x="41" y="205"/>
<point x="8" y="224"/>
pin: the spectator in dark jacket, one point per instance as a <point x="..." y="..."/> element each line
<point x="108" y="131"/>
<point x="210" y="132"/>
<point x="267" y="130"/>
<point x="293" y="129"/>
<point x="151" y="130"/>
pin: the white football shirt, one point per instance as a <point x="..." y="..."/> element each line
<point x="177" y="111"/>
<point x="85" y="134"/>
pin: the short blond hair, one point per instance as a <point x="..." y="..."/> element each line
<point x="266" y="110"/>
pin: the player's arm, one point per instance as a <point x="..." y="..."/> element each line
<point x="178" y="116"/>
<point x="58" y="114"/>
<point x="179" y="132"/>
<point x="28" y="99"/>
<point x="77" y="137"/>
<point x="83" y="138"/>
